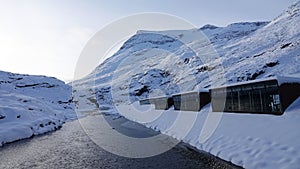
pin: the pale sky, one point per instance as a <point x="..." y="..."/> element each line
<point x="46" y="37"/>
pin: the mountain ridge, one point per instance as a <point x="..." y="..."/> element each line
<point x="244" y="51"/>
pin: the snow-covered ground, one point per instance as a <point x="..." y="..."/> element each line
<point x="248" y="140"/>
<point x="32" y="105"/>
<point x="152" y="64"/>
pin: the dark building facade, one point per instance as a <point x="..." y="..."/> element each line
<point x="144" y="101"/>
<point x="160" y="103"/>
<point x="269" y="96"/>
<point x="192" y="101"/>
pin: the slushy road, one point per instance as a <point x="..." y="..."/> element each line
<point x="71" y="147"/>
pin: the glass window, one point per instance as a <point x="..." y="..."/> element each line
<point x="276" y="99"/>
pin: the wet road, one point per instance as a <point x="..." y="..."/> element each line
<point x="70" y="147"/>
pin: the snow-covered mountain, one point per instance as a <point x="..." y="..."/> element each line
<point x="156" y="63"/>
<point x="31" y="105"/>
<point x="173" y="61"/>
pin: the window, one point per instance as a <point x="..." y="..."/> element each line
<point x="276" y="99"/>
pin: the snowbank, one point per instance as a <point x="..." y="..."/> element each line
<point x="248" y="140"/>
<point x="32" y="105"/>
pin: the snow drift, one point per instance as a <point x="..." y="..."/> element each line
<point x="32" y="105"/>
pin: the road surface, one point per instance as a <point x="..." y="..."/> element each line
<point x="70" y="147"/>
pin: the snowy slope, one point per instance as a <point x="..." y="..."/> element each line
<point x="31" y="105"/>
<point x="272" y="50"/>
<point x="162" y="63"/>
<point x="165" y="60"/>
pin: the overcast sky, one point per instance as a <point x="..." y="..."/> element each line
<point x="46" y="37"/>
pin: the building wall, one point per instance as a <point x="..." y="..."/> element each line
<point x="289" y="92"/>
<point x="163" y="103"/>
<point x="144" y="101"/>
<point x="192" y="101"/>
<point x="260" y="97"/>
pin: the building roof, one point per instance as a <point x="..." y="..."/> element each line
<point x="195" y="91"/>
<point x="280" y="80"/>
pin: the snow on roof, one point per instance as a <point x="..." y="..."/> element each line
<point x="203" y="90"/>
<point x="157" y="97"/>
<point x="189" y="92"/>
<point x="287" y="79"/>
<point x="280" y="80"/>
